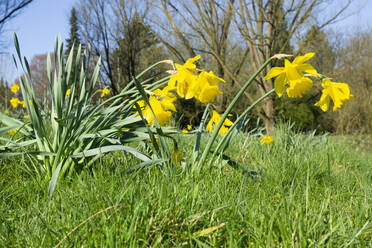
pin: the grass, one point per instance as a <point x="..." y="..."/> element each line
<point x="314" y="192"/>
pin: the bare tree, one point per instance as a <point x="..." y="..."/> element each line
<point x="260" y="22"/>
<point x="116" y="31"/>
<point x="9" y="9"/>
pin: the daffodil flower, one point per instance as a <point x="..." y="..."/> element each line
<point x="14" y="88"/>
<point x="213" y="122"/>
<point x="185" y="77"/>
<point x="162" y="103"/>
<point x="14" y="102"/>
<point x="68" y="92"/>
<point x="338" y="92"/>
<point x="105" y="91"/>
<point x="6" y="111"/>
<point x="294" y="74"/>
<point x="27" y="117"/>
<point x="266" y="140"/>
<point x="23" y="104"/>
<point x="205" y="88"/>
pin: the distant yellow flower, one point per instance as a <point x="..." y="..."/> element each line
<point x="212" y="124"/>
<point x="14" y="102"/>
<point x="185" y="131"/>
<point x="6" y="111"/>
<point x="27" y="117"/>
<point x="105" y="91"/>
<point x="13" y="131"/>
<point x="338" y="92"/>
<point x="68" y="92"/>
<point x="293" y="73"/>
<point x="14" y="88"/>
<point x="23" y="104"/>
<point x="266" y="140"/>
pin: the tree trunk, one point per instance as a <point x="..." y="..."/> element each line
<point x="269" y="116"/>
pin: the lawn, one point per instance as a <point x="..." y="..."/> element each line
<point x="311" y="191"/>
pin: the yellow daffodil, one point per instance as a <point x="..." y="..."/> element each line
<point x="205" y="88"/>
<point x="185" y="77"/>
<point x="14" y="88"/>
<point x="338" y="92"/>
<point x="68" y="92"/>
<point x="23" y="104"/>
<point x="27" y="117"/>
<point x="13" y="131"/>
<point x="294" y="74"/>
<point x="185" y="131"/>
<point x="105" y="91"/>
<point x="14" y="102"/>
<point x="212" y="124"/>
<point x="162" y="103"/>
<point x="6" y="111"/>
<point x="166" y="98"/>
<point x="266" y="140"/>
<point x="161" y="114"/>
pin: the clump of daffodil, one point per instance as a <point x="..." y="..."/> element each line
<point x="68" y="92"/>
<point x="105" y="92"/>
<point x="14" y="88"/>
<point x="162" y="103"/>
<point x="190" y="83"/>
<point x="338" y="92"/>
<point x="14" y="102"/>
<point x="213" y="122"/>
<point x="266" y="140"/>
<point x="293" y="73"/>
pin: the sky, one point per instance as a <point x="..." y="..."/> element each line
<point x="39" y="24"/>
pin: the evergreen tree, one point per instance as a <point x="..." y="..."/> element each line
<point x="74" y="37"/>
<point x="137" y="49"/>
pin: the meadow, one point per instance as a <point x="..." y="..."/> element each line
<point x="310" y="191"/>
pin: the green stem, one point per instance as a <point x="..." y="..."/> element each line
<point x="227" y="111"/>
<point x="239" y="118"/>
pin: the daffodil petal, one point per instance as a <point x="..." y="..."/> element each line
<point x="279" y="84"/>
<point x="275" y="71"/>
<point x="307" y="68"/>
<point x="301" y="59"/>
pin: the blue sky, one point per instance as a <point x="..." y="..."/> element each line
<point x="39" y="24"/>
